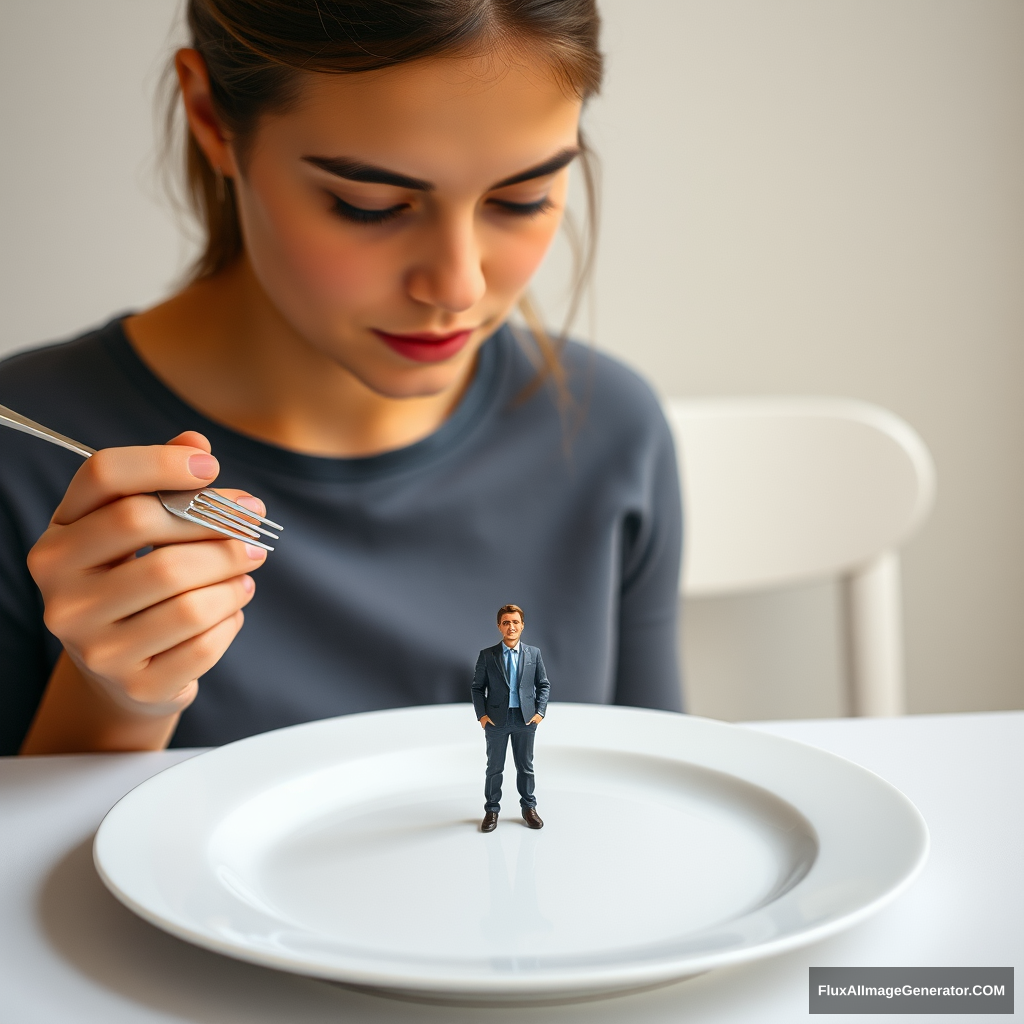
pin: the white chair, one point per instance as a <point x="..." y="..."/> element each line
<point x="786" y="490"/>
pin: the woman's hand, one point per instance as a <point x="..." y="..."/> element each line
<point x="139" y="632"/>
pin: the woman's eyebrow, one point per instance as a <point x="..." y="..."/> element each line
<point x="556" y="163"/>
<point x="356" y="170"/>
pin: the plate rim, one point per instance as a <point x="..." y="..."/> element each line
<point x="561" y="982"/>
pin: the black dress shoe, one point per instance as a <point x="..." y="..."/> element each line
<point x="532" y="818"/>
<point x="490" y="822"/>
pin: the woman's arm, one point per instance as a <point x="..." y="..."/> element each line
<point x="76" y="715"/>
<point x="137" y="633"/>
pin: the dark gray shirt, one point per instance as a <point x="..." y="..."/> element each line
<point x="388" y="576"/>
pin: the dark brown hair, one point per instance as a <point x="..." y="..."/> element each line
<point x="257" y="50"/>
<point x="511" y="609"/>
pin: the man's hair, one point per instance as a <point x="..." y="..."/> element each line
<point x="508" y="609"/>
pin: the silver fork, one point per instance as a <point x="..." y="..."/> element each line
<point x="203" y="507"/>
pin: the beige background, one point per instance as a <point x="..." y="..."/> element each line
<point x="801" y="196"/>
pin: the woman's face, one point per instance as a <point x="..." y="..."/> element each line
<point x="394" y="217"/>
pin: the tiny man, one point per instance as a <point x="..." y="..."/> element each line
<point x="510" y="696"/>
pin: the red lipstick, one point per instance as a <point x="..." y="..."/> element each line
<point x="426" y="348"/>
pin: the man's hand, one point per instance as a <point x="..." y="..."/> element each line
<point x="536" y="719"/>
<point x="485" y="721"/>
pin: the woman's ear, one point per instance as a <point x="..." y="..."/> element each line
<point x="202" y="118"/>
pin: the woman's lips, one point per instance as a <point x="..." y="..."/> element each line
<point x="426" y="348"/>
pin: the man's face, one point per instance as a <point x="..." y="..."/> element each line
<point x="511" y="626"/>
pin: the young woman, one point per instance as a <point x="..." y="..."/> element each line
<point x="378" y="182"/>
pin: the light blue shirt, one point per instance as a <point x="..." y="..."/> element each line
<point x="512" y="671"/>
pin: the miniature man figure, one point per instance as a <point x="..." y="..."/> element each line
<point x="510" y="696"/>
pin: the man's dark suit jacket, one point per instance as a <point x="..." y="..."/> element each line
<point x="491" y="689"/>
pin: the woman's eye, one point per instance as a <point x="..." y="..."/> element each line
<point x="522" y="209"/>
<point x="360" y="215"/>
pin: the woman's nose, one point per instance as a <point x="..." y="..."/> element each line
<point x="450" y="274"/>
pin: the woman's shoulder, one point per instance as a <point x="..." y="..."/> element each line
<point x="85" y="388"/>
<point x="50" y="373"/>
<point x="71" y="388"/>
<point x="603" y="387"/>
<point x="612" y="395"/>
<point x="610" y="375"/>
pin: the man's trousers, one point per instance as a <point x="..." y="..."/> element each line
<point x="521" y="735"/>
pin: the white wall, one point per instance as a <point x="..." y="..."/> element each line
<point x="84" y="229"/>
<point x="801" y="196"/>
<point x="827" y="197"/>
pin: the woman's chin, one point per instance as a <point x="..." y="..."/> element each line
<point x="416" y="380"/>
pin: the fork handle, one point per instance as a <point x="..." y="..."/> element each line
<point x="10" y="418"/>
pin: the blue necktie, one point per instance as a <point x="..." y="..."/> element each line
<point x="510" y="671"/>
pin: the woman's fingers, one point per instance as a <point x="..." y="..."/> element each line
<point x="179" y="569"/>
<point x="168" y="682"/>
<point x="116" y="530"/>
<point x="118" y="472"/>
<point x="119" y="655"/>
<point x="250" y="501"/>
<point x="144" y="629"/>
<point x="110" y="534"/>
<point x="192" y="439"/>
<point x="140" y="583"/>
<point x="191" y="659"/>
<point x="170" y="623"/>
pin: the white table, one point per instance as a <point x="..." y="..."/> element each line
<point x="70" y="952"/>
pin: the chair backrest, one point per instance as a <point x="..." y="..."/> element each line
<point x="783" y="490"/>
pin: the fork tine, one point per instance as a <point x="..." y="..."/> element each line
<point x="192" y="517"/>
<point x="216" y="512"/>
<point x="199" y="504"/>
<point x="244" y="528"/>
<point x="219" y="498"/>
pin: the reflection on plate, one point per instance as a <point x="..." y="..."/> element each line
<point x="348" y="849"/>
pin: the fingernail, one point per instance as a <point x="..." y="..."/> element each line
<point x="254" y="552"/>
<point x="204" y="467"/>
<point x="253" y="504"/>
<point x="248" y="583"/>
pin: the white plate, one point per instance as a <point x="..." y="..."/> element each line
<point x="348" y="849"/>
